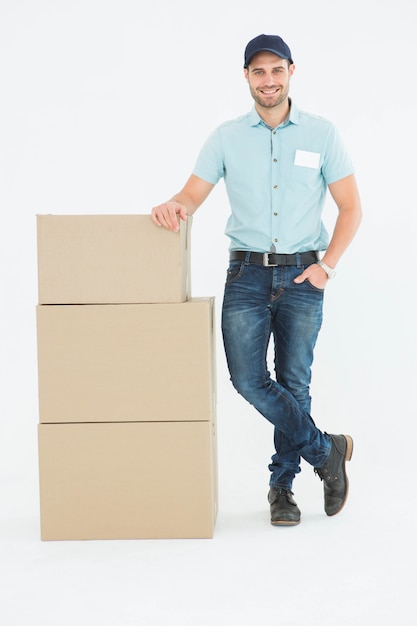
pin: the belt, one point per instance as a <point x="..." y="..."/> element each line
<point x="271" y="259"/>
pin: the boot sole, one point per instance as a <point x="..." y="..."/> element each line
<point x="349" y="447"/>
<point x="285" y="523"/>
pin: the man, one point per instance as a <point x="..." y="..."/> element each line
<point x="277" y="163"/>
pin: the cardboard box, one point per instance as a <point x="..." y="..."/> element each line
<point x="127" y="481"/>
<point x="99" y="259"/>
<point x="133" y="362"/>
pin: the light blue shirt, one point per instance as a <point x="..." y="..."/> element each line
<point x="276" y="179"/>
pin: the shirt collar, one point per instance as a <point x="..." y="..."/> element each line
<point x="293" y="118"/>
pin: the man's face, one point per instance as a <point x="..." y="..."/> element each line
<point x="268" y="77"/>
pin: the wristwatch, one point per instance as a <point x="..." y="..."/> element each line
<point x="331" y="273"/>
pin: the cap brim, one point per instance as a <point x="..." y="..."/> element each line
<point x="267" y="50"/>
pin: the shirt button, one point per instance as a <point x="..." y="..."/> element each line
<point x="276" y="240"/>
<point x="275" y="186"/>
<point x="275" y="213"/>
<point x="275" y="161"/>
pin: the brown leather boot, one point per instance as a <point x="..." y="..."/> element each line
<point x="284" y="509"/>
<point x="333" y="474"/>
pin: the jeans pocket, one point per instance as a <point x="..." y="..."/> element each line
<point x="234" y="271"/>
<point x="313" y="287"/>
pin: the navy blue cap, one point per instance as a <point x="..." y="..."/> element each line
<point x="267" y="43"/>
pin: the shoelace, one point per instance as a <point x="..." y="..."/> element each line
<point x="323" y="473"/>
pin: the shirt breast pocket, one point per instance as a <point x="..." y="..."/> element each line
<point x="305" y="176"/>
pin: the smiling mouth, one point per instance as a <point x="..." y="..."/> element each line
<point x="269" y="92"/>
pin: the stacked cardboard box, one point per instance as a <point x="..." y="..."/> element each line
<point x="127" y="394"/>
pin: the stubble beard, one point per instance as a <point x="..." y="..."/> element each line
<point x="270" y="103"/>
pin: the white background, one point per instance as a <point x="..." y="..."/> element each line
<point x="103" y="107"/>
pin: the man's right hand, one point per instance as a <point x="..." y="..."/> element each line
<point x="167" y="214"/>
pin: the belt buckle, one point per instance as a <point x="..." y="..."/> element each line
<point x="265" y="260"/>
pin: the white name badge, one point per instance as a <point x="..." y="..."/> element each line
<point x="307" y="159"/>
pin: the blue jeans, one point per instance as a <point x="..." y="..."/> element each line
<point x="260" y="302"/>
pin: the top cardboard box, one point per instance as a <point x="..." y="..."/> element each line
<point x="111" y="259"/>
